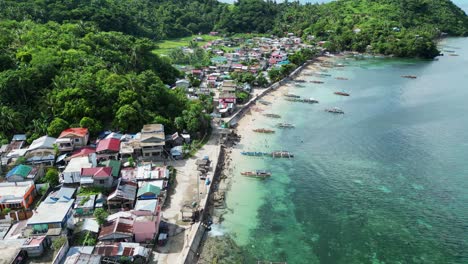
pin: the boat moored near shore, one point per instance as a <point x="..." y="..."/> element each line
<point x="285" y="125"/>
<point x="260" y="174"/>
<point x="409" y="76"/>
<point x="334" y="110"/>
<point x="264" y="131"/>
<point x="272" y="115"/>
<point x="342" y="93"/>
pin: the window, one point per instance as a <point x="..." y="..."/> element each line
<point x="102" y="181"/>
<point x="77" y="140"/>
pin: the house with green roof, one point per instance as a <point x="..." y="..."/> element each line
<point x="150" y="190"/>
<point x="114" y="164"/>
<point x="19" y="173"/>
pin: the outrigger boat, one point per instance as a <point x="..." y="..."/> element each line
<point x="342" y="78"/>
<point x="254" y="153"/>
<point x="282" y="154"/>
<point x="272" y="115"/>
<point x="261" y="174"/>
<point x="323" y="74"/>
<point x="263" y="102"/>
<point x="290" y="95"/>
<point x="319" y="82"/>
<point x="409" y="76"/>
<point x="264" y="130"/>
<point x="303" y="100"/>
<point x="334" y="110"/>
<point x="341" y="93"/>
<point x="300" y="81"/>
<point x="285" y="125"/>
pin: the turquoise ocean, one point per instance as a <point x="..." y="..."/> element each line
<point x="387" y="182"/>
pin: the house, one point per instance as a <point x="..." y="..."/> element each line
<point x="177" y="153"/>
<point x="71" y="138"/>
<point x="41" y="151"/>
<point x="149" y="172"/>
<point x="124" y="195"/>
<point x="152" y="141"/>
<point x="151" y="190"/>
<point x="54" y="214"/>
<point x="72" y="172"/>
<point x="17" y="195"/>
<point x="17" y="142"/>
<point x="114" y="164"/>
<point x="184" y="84"/>
<point x="108" y="148"/>
<point x="119" y="229"/>
<point x="11" y="251"/>
<point x="82" y="152"/>
<point x="83" y="258"/>
<point x="18" y="173"/>
<point x="137" y="254"/>
<point x="35" y="246"/>
<point x="84" y="205"/>
<point x="98" y="176"/>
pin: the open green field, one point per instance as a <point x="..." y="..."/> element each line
<point x="166" y="45"/>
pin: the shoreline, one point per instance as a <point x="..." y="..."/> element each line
<point x="243" y="120"/>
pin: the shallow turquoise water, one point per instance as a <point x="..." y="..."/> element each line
<point x="385" y="183"/>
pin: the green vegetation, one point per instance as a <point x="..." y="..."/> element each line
<point x="88" y="191"/>
<point x="94" y="63"/>
<point x="100" y="215"/>
<point x="58" y="243"/>
<point x="51" y="177"/>
<point x="166" y="46"/>
<point x="72" y="75"/>
<point x="84" y="239"/>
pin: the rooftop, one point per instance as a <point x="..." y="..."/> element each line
<point x="120" y="225"/>
<point x="125" y="190"/>
<point x="9" y="249"/>
<point x="83" y="258"/>
<point x="100" y="172"/>
<point x="74" y="132"/>
<point x="44" y="142"/>
<point x="51" y="212"/>
<point x="11" y="190"/>
<point x="76" y="164"/>
<point x="20" y="170"/>
<point x="108" y="144"/>
<point x="114" y="164"/>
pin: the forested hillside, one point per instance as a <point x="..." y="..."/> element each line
<point x="53" y="76"/>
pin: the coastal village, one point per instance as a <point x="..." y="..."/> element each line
<point x="134" y="198"/>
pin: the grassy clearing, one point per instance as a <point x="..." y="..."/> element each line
<point x="167" y="45"/>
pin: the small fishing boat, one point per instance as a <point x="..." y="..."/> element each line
<point x="290" y="95"/>
<point x="342" y="78"/>
<point x="272" y="115"/>
<point x="264" y="130"/>
<point x="334" y="110"/>
<point x="299" y="85"/>
<point x="409" y="76"/>
<point x="300" y="81"/>
<point x="308" y="74"/>
<point x="261" y="174"/>
<point x="263" y="102"/>
<point x="339" y="65"/>
<point x="254" y="153"/>
<point x="453" y="55"/>
<point x="282" y="154"/>
<point x="341" y="93"/>
<point x="323" y="74"/>
<point x="319" y="82"/>
<point x="285" y="125"/>
<point x="310" y="100"/>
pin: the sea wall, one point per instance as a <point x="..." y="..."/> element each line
<point x="189" y="253"/>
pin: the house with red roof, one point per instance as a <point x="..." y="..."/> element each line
<point x="108" y="148"/>
<point x="72" y="138"/>
<point x="98" y="177"/>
